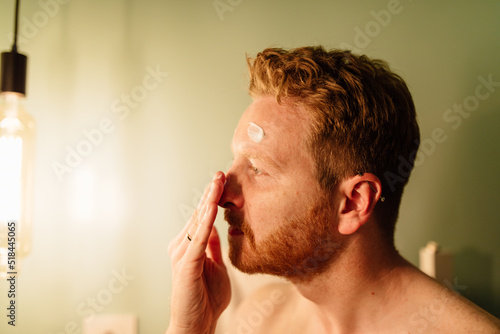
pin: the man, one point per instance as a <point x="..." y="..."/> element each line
<point x="313" y="196"/>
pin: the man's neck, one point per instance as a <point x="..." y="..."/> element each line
<point x="362" y="285"/>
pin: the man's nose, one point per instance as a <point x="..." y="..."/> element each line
<point x="232" y="196"/>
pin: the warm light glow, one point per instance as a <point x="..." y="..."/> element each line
<point x="83" y="194"/>
<point x="17" y="139"/>
<point x="17" y="155"/>
<point x="10" y="178"/>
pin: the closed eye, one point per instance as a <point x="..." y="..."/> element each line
<point x="256" y="170"/>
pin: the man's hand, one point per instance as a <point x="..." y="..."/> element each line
<point x="201" y="288"/>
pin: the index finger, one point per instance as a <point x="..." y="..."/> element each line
<point x="199" y="240"/>
<point x="192" y="224"/>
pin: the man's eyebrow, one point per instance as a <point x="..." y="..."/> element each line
<point x="265" y="158"/>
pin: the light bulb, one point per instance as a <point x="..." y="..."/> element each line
<point x="17" y="141"/>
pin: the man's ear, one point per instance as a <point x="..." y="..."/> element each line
<point x="359" y="195"/>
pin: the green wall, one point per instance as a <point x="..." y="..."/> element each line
<point x="90" y="65"/>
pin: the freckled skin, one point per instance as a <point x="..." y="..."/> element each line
<point x="268" y="200"/>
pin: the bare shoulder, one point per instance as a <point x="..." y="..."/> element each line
<point x="265" y="309"/>
<point x="462" y="316"/>
<point x="440" y="309"/>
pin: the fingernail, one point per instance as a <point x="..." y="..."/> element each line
<point x="218" y="176"/>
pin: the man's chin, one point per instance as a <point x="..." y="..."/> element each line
<point x="250" y="261"/>
<point x="243" y="258"/>
<point x="297" y="269"/>
<point x="236" y="253"/>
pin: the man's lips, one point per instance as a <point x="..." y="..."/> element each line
<point x="234" y="231"/>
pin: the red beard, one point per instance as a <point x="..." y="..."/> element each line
<point x="299" y="249"/>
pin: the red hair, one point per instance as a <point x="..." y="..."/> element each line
<point x="363" y="115"/>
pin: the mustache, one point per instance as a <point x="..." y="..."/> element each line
<point x="237" y="220"/>
<point x="234" y="219"/>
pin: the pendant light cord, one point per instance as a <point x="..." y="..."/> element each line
<point x="16" y="24"/>
<point x="14" y="64"/>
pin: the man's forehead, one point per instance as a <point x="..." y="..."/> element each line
<point x="271" y="127"/>
<point x="266" y="117"/>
